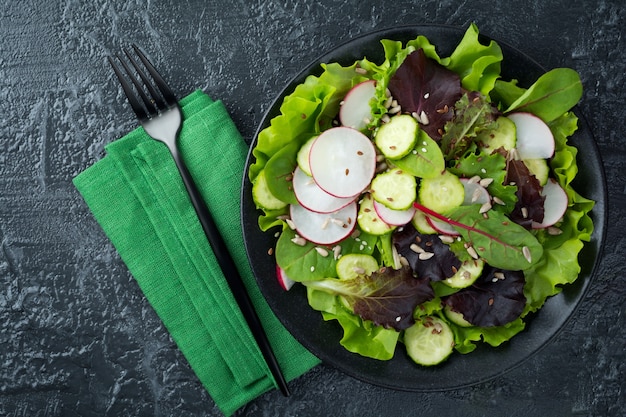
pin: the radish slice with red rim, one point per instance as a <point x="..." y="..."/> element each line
<point x="474" y="193"/>
<point x="394" y="217"/>
<point x="285" y="282"/>
<point x="342" y="161"/>
<point x="324" y="228"/>
<point x="534" y="138"/>
<point x="312" y="197"/>
<point x="355" y="110"/>
<point x="442" y="227"/>
<point x="554" y="206"/>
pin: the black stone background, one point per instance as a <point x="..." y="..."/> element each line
<point x="76" y="335"/>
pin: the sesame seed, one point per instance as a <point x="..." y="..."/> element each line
<point x="416" y="248"/>
<point x="554" y="231"/>
<point x="323" y="252"/>
<point x="485" y="207"/>
<point x="527" y="254"/>
<point x="485" y="182"/>
<point x="312" y="268"/>
<point x="424" y="150"/>
<point x="425" y="256"/>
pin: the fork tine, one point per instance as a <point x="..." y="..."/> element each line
<point x="128" y="90"/>
<point x="168" y="95"/>
<point x="155" y="97"/>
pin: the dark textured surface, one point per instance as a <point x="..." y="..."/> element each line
<point x="76" y="335"/>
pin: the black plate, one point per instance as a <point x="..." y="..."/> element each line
<point x="322" y="338"/>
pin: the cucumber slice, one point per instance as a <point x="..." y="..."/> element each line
<point x="368" y="219"/>
<point x="429" y="341"/>
<point x="395" y="189"/>
<point x="262" y="195"/>
<point x="503" y="136"/>
<point x="302" y="157"/>
<point x="442" y="193"/>
<point x="539" y="168"/>
<point x="397" y="138"/>
<point x="467" y="274"/>
<point x="421" y="223"/>
<point x="456" y="317"/>
<point x="353" y="265"/>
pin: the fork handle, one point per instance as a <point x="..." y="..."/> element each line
<point x="229" y="269"/>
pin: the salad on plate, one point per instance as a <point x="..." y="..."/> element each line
<point x="424" y="201"/>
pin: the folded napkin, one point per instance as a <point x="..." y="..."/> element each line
<point x="137" y="196"/>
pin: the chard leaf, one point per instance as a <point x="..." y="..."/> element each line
<point x="422" y="85"/>
<point x="440" y="266"/>
<point x="491" y="301"/>
<point x="425" y="161"/>
<point x="279" y="170"/>
<point x="472" y="114"/>
<point x="304" y="263"/>
<point x="529" y="205"/>
<point x="387" y="297"/>
<point x="553" y="94"/>
<point x="499" y="241"/>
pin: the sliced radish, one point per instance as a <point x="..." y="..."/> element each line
<point x="442" y="227"/>
<point x="285" y="282"/>
<point x="554" y="205"/>
<point x="534" y="137"/>
<point x="355" y="110"/>
<point x="394" y="217"/>
<point x="474" y="193"/>
<point x="312" y="197"/>
<point x="324" y="228"/>
<point x="342" y="161"/>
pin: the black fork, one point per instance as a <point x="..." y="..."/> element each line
<point x="160" y="115"/>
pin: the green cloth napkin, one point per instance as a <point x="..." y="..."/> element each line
<point x="137" y="196"/>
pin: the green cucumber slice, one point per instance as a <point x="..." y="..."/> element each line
<point x="442" y="193"/>
<point x="262" y="195"/>
<point x="395" y="189"/>
<point x="503" y="136"/>
<point x="368" y="220"/>
<point x="397" y="138"/>
<point x="353" y="265"/>
<point x="539" y="168"/>
<point x="467" y="274"/>
<point x="429" y="341"/>
<point x="302" y="158"/>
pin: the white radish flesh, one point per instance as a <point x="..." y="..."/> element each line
<point x="324" y="228"/>
<point x="442" y="227"/>
<point x="355" y="111"/>
<point x="394" y="217"/>
<point x="285" y="282"/>
<point x="312" y="197"/>
<point x="342" y="161"/>
<point x="554" y="205"/>
<point x="534" y="137"/>
<point x="474" y="193"/>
